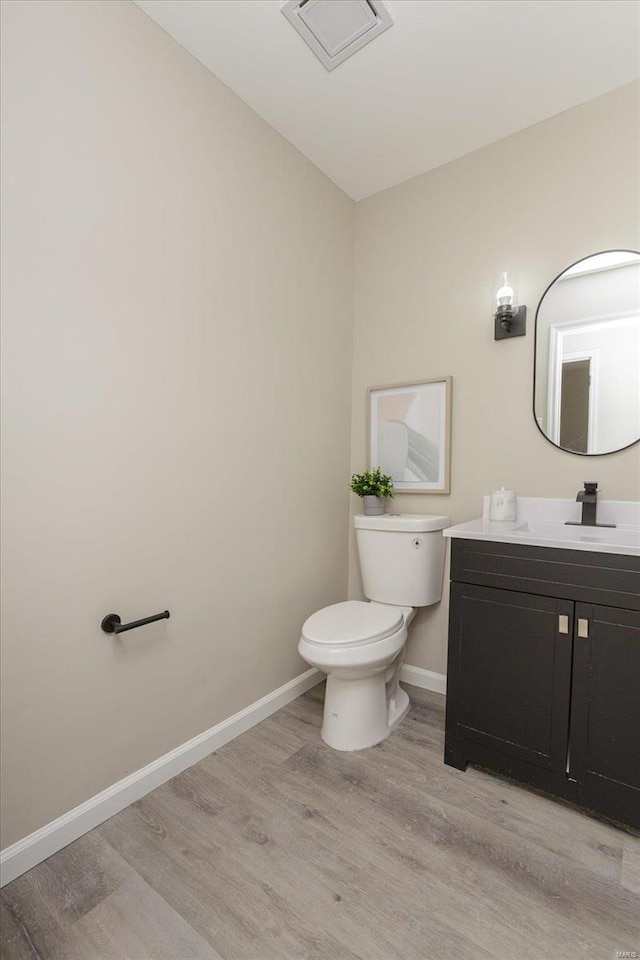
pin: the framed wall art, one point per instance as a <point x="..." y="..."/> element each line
<point x="409" y="434"/>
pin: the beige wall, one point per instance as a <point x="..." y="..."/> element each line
<point x="177" y="358"/>
<point x="426" y="255"/>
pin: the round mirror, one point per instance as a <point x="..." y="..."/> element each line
<point x="586" y="378"/>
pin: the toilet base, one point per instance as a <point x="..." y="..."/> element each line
<point x="357" y="714"/>
<point x="398" y="708"/>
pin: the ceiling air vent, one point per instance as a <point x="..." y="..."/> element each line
<point x="335" y="29"/>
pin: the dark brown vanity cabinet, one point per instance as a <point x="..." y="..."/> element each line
<point x="543" y="679"/>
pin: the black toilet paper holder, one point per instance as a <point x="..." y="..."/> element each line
<point x="113" y="624"/>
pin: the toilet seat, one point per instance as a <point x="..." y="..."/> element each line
<point x="352" y="623"/>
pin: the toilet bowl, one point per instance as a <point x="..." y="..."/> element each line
<point x="360" y="644"/>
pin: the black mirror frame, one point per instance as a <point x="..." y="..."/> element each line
<point x="574" y="453"/>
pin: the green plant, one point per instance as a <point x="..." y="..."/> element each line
<point x="372" y="483"/>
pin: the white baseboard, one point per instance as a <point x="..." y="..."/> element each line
<point x="26" y="853"/>
<point x="425" y="679"/>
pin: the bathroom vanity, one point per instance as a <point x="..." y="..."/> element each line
<point x="543" y="680"/>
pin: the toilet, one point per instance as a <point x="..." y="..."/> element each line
<point x="360" y="644"/>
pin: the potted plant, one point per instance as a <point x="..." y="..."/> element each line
<point x="374" y="487"/>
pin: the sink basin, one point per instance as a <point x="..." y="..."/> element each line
<point x="553" y="532"/>
<point x="598" y="535"/>
<point x="546" y="527"/>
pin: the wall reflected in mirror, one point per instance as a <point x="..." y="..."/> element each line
<point x="587" y="355"/>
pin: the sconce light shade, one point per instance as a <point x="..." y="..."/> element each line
<point x="510" y="319"/>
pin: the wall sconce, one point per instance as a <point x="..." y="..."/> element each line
<point x="510" y="319"/>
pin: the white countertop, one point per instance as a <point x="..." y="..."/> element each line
<point x="541" y="523"/>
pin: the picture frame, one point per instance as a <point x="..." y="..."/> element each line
<point x="409" y="434"/>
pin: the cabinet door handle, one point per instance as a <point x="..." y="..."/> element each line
<point x="563" y="623"/>
<point x="583" y="629"/>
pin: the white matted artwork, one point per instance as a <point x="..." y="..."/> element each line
<point x="409" y="428"/>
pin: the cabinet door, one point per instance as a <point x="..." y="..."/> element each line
<point x="509" y="673"/>
<point x="604" y="746"/>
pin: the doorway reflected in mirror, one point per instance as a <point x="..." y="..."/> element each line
<point x="587" y="355"/>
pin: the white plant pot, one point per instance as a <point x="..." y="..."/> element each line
<point x="373" y="506"/>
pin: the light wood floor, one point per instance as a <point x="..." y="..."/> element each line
<point x="277" y="848"/>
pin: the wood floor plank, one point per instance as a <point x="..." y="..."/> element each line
<point x="530" y="814"/>
<point x="135" y="923"/>
<point x="283" y="842"/>
<point x="265" y="745"/>
<point x="47" y="900"/>
<point x="40" y="930"/>
<point x="409" y="793"/>
<point x="77" y="878"/>
<point x="240" y="913"/>
<point x="86" y="903"/>
<point x="631" y="864"/>
<point x="460" y="874"/>
<point x="278" y="848"/>
<point x="15" y="941"/>
<point x="416" y="749"/>
<point x="336" y="801"/>
<point x="545" y="868"/>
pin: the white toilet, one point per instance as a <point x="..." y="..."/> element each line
<point x="360" y="645"/>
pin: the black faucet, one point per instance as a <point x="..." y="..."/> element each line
<point x="589" y="500"/>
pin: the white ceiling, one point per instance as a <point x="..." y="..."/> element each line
<point x="448" y="77"/>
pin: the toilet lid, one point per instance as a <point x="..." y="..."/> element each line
<point x="353" y="621"/>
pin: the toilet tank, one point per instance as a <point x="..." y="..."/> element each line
<point x="401" y="557"/>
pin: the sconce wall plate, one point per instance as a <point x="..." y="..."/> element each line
<point x="516" y="326"/>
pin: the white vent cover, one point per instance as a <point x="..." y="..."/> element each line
<point x="335" y="29"/>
